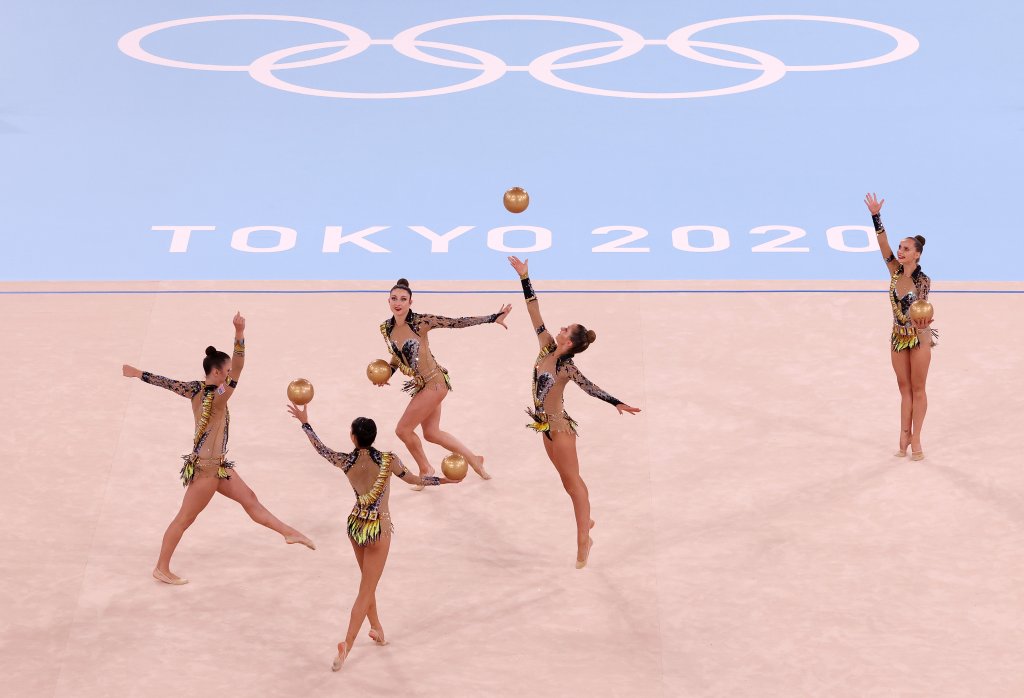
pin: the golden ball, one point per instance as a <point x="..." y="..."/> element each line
<point x="454" y="466"/>
<point x="300" y="391"/>
<point x="921" y="310"/>
<point x="516" y="200"/>
<point x="379" y="372"/>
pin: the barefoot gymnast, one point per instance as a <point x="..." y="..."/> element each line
<point x="406" y="334"/>
<point x="911" y="340"/>
<point x="552" y="371"/>
<point x="206" y="470"/>
<point x="369" y="524"/>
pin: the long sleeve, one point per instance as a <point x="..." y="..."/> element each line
<point x="334" y="457"/>
<point x="187" y="389"/>
<point x="439" y="321"/>
<point x="589" y="387"/>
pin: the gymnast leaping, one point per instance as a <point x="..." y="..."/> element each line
<point x="552" y="370"/>
<point x="206" y="470"/>
<point x="369" y="524"/>
<point x="406" y="336"/>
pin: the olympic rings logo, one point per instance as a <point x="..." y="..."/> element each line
<point x="490" y="68"/>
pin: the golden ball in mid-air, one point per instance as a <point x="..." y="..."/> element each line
<point x="379" y="372"/>
<point x="454" y="466"/>
<point x="921" y="310"/>
<point x="300" y="391"/>
<point x="516" y="200"/>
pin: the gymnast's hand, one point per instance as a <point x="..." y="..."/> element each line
<point x="520" y="266"/>
<point x="502" y="314"/>
<point x="624" y="408"/>
<point x="922" y="324"/>
<point x="873" y="204"/>
<point x="130" y="371"/>
<point x="299" y="414"/>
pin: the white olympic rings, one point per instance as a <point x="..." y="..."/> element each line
<point x="491" y="68"/>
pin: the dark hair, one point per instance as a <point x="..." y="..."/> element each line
<point x="365" y="431"/>
<point x="581" y="338"/>
<point x="918" y="242"/>
<point x="404" y="285"/>
<point x="214" y="359"/>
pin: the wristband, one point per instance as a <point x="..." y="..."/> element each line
<point x="528" y="289"/>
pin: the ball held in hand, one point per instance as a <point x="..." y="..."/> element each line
<point x="921" y="310"/>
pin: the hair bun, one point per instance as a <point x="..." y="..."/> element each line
<point x="211" y="352"/>
<point x="920" y="239"/>
<point x="591" y="336"/>
<point x="402" y="282"/>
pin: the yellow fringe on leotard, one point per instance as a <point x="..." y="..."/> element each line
<point x="364" y="520"/>
<point x="188" y="470"/>
<point x="904" y="334"/>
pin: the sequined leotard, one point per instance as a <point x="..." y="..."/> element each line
<point x="410" y="348"/>
<point x="904" y="335"/>
<point x="551" y="375"/>
<point x="369" y="472"/>
<point x="210" y="409"/>
<point x="210" y="443"/>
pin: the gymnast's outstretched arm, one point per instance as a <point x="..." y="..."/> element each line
<point x="187" y="389"/>
<point x="532" y="304"/>
<point x="434" y="322"/>
<point x="413" y="479"/>
<point x="875" y="207"/>
<point x="237" y="360"/>
<point x="335" y="458"/>
<point x="590" y="388"/>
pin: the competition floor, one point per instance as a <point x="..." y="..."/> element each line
<point x="755" y="536"/>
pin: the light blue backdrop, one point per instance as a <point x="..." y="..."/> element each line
<point x="99" y="148"/>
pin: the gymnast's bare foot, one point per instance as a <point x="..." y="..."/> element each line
<point x="168" y="577"/>
<point x="583" y="552"/>
<point x="377" y="635"/>
<point x="904" y="443"/>
<point x="301" y="539"/>
<point x="340" y="658"/>
<point x="478" y="467"/>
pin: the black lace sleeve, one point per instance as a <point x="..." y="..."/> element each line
<point x="923" y="286"/>
<point x="587" y="386"/>
<point x="457" y="323"/>
<point x="334" y="457"/>
<point x="187" y="389"/>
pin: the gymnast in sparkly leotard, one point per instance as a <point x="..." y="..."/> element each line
<point x="911" y="341"/>
<point x="206" y="469"/>
<point x="369" y="524"/>
<point x="552" y="371"/>
<point x="406" y="336"/>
